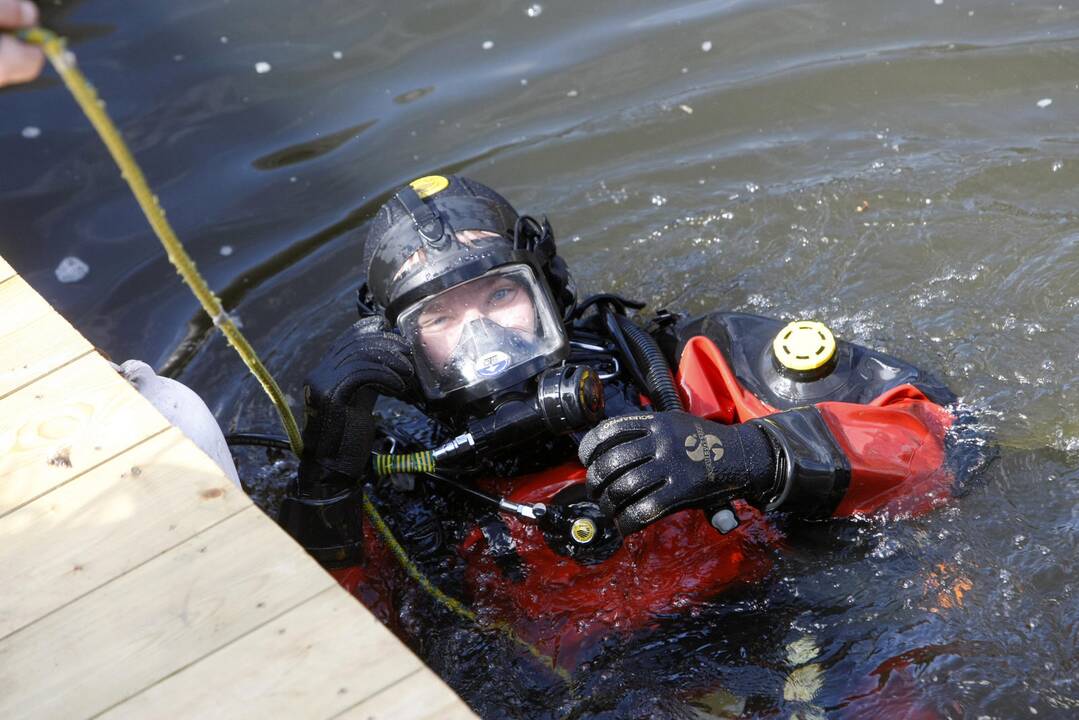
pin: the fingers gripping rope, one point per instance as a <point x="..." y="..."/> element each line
<point x="87" y="98"/>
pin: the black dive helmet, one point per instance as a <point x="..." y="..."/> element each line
<point x="440" y="248"/>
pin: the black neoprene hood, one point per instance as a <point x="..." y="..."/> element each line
<point x="416" y="250"/>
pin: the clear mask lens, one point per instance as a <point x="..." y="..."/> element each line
<point x="479" y="330"/>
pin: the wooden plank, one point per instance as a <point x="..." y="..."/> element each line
<point x="420" y="696"/>
<point x="313" y="662"/>
<point x="115" y="517"/>
<point x="66" y="423"/>
<point x="156" y="620"/>
<point x="6" y="271"/>
<point x="34" y="338"/>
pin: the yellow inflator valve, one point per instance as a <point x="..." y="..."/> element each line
<point x="805" y="347"/>
<point x="583" y="530"/>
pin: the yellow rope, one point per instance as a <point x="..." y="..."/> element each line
<point x="85" y="95"/>
<point x="450" y="602"/>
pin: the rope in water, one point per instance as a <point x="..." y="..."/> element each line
<point x="55" y="49"/>
<point x="453" y="604"/>
<point x="94" y="109"/>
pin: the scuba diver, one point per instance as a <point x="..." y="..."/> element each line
<point x="575" y="464"/>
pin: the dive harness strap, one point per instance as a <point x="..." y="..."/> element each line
<point x="812" y="473"/>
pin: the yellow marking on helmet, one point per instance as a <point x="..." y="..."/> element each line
<point x="429" y="185"/>
<point x="804" y="345"/>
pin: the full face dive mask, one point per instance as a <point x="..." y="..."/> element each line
<point x="483" y="335"/>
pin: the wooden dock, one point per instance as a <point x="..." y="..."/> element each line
<point x="139" y="582"/>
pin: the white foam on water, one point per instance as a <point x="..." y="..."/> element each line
<point x="225" y="250"/>
<point x="706" y="46"/>
<point x="1045" y="102"/>
<point x="71" y="269"/>
<point x="30" y="132"/>
<point x="534" y="10"/>
<point x="337" y="54"/>
<point x="488" y="44"/>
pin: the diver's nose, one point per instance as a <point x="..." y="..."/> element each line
<point x="471" y="314"/>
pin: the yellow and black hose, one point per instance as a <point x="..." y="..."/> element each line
<point x="415" y="462"/>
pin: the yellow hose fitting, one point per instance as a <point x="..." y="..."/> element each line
<point x="417" y="462"/>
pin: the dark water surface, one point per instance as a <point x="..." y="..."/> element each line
<point x="905" y="171"/>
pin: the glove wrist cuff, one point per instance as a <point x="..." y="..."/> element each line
<point x="812" y="472"/>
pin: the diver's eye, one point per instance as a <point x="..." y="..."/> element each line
<point x="502" y="295"/>
<point x="434" y="322"/>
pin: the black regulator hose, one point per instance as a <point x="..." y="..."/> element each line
<point x="657" y="373"/>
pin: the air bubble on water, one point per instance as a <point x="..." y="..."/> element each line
<point x="293" y="179"/>
<point x="71" y="269"/>
<point x="1057" y="165"/>
<point x="659" y="200"/>
<point x="30" y="132"/>
<point x="938" y="2"/>
<point x="224" y="39"/>
<point x="524" y="81"/>
<point x="686" y="109"/>
<point x="263" y="67"/>
<point x="534" y="10"/>
<point x="929" y="201"/>
<point x="706" y="46"/>
<point x="337" y="54"/>
<point x="685" y="70"/>
<point x="572" y="93"/>
<point x="752" y="187"/>
<point x="1045" y="102"/>
<point x="225" y="250"/>
<point x="488" y="44"/>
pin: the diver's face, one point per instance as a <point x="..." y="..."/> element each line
<point x="501" y="300"/>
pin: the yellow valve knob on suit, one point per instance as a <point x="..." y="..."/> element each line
<point x="583" y="530"/>
<point x="805" y="349"/>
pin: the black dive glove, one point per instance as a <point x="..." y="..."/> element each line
<point x="322" y="508"/>
<point x="643" y="467"/>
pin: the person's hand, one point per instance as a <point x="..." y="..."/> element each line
<point x="644" y="467"/>
<point x="19" y="62"/>
<point x="339" y="395"/>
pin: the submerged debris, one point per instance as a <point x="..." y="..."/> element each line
<point x="71" y="269"/>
